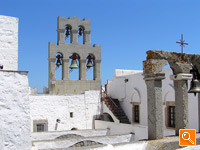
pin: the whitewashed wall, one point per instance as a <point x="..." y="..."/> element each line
<point x="125" y="146"/>
<point x="122" y="128"/>
<point x="9" y="42"/>
<point x="135" y="91"/>
<point x="52" y="107"/>
<point x="66" y="143"/>
<point x="131" y="91"/>
<point x="15" y="132"/>
<point x="108" y="111"/>
<point x="52" y="135"/>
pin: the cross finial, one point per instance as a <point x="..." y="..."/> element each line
<point x="182" y="43"/>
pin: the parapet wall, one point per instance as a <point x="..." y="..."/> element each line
<point x="9" y="42"/>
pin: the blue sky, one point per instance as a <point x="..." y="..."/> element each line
<point x="125" y="29"/>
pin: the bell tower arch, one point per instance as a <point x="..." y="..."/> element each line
<point x="72" y="28"/>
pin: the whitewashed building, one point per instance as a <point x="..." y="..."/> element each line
<point x="23" y="111"/>
<point x="129" y="88"/>
<point x="82" y="119"/>
<point x="15" y="131"/>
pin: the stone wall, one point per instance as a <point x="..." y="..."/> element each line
<point x="9" y="42"/>
<point x="14" y="111"/>
<point x="84" y="109"/>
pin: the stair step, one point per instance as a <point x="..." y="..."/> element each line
<point x="116" y="110"/>
<point x="123" y="117"/>
<point x="124" y="120"/>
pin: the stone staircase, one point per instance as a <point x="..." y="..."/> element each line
<point x="114" y="107"/>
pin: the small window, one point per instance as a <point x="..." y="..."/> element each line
<point x="136" y="112"/>
<point x="71" y="114"/>
<point x="171" y="116"/>
<point x="40" y="125"/>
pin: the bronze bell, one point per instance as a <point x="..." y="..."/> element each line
<point x="194" y="86"/>
<point x="58" y="62"/>
<point x="80" y="31"/>
<point x="67" y="33"/>
<point x="73" y="64"/>
<point x="89" y="64"/>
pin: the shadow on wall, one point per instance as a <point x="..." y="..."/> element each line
<point x="74" y="128"/>
<point x="132" y="137"/>
<point x="107" y="117"/>
<point x="95" y="117"/>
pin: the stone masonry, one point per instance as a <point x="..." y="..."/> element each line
<point x="67" y="86"/>
<point x="154" y="98"/>
<point x="180" y="64"/>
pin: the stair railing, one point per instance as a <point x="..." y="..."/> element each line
<point x="114" y="108"/>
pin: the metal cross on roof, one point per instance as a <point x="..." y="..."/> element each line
<point x="182" y="43"/>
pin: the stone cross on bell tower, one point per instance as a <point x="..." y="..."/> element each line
<point x="62" y="53"/>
